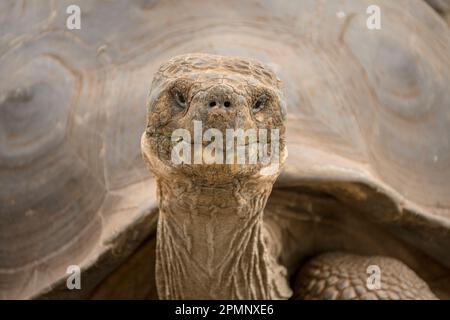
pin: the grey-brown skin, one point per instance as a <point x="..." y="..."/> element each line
<point x="212" y="241"/>
<point x="343" y="276"/>
<point x="200" y="80"/>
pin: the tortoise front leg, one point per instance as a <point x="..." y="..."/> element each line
<point x="341" y="276"/>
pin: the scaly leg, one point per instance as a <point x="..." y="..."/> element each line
<point x="341" y="276"/>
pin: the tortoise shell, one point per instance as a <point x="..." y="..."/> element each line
<point x="368" y="121"/>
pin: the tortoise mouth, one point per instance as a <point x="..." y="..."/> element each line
<point x="247" y="154"/>
<point x="217" y="150"/>
<point x="213" y="164"/>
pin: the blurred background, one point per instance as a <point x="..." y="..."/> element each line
<point x="74" y="76"/>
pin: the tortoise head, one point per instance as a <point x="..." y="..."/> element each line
<point x="215" y="117"/>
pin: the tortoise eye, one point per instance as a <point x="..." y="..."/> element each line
<point x="179" y="98"/>
<point x="259" y="104"/>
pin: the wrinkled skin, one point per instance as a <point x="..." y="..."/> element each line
<point x="186" y="93"/>
<point x="212" y="241"/>
<point x="214" y="205"/>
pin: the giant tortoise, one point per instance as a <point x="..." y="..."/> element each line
<point x="365" y="184"/>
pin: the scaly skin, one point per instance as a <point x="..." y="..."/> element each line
<point x="212" y="242"/>
<point x="341" y="276"/>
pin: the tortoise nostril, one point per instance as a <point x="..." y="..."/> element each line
<point x="212" y="103"/>
<point x="227" y="104"/>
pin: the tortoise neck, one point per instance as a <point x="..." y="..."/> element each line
<point x="211" y="242"/>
